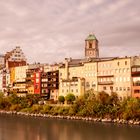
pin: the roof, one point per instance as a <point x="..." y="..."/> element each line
<point x="91" y="37"/>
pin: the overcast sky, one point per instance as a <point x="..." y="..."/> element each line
<point x="50" y="30"/>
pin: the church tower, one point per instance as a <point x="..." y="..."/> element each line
<point x="91" y="47"/>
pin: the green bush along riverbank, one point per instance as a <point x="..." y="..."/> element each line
<point x="100" y="106"/>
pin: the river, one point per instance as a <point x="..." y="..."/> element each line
<point x="28" y="128"/>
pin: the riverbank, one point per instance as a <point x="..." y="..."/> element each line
<point x="105" y="120"/>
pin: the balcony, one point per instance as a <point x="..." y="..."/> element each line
<point x="106" y="83"/>
<point x="102" y="76"/>
<point x="136" y="83"/>
<point x="135" y="74"/>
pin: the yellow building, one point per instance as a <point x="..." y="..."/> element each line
<point x="122" y="76"/>
<point x="19" y="84"/>
<point x="20" y="73"/>
<point x="75" y="85"/>
<point x="12" y="75"/>
<point x="102" y="74"/>
<point x="114" y="75"/>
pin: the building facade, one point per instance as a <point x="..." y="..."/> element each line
<point x="15" y="58"/>
<point x="50" y="84"/>
<point x="75" y="86"/>
<point x="136" y="81"/>
<point x="1" y="61"/>
<point x="4" y="80"/>
<point x="18" y="80"/>
<point x="109" y="74"/>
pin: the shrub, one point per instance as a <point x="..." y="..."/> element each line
<point x="26" y="110"/>
<point x="36" y="108"/>
<point x="46" y="109"/>
<point x="15" y="107"/>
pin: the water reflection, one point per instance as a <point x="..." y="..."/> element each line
<point x="23" y="128"/>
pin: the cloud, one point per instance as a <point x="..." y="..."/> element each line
<point x="49" y="31"/>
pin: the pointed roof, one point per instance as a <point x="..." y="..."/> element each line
<point x="91" y="37"/>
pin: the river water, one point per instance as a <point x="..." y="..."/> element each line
<point x="27" y="128"/>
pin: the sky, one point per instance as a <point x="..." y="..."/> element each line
<point x="50" y="30"/>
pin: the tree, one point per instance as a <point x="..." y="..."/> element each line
<point x="132" y="109"/>
<point x="61" y="99"/>
<point x="103" y="98"/>
<point x="90" y="94"/>
<point x="114" y="100"/>
<point x="70" y="98"/>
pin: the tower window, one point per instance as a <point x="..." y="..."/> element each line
<point x="90" y="45"/>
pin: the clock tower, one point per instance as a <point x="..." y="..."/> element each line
<point x="91" y="47"/>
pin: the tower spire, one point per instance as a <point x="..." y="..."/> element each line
<point x="91" y="46"/>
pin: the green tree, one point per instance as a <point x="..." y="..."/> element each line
<point x="61" y="99"/>
<point x="70" y="98"/>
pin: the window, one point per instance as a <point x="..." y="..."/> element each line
<point x="37" y="74"/>
<point x="71" y="90"/>
<point x="124" y="79"/>
<point x="104" y="88"/>
<point x="87" y="84"/>
<point x="43" y="90"/>
<point x="120" y="79"/>
<point x="76" y="90"/>
<point x="120" y="88"/>
<point x="90" y="45"/>
<point x="36" y="86"/>
<point x="125" y="62"/>
<point x="119" y="70"/>
<point x="45" y="85"/>
<point x="118" y="63"/>
<point x="134" y="69"/>
<point x="128" y="79"/>
<point x="124" y="70"/>
<point x="37" y="80"/>
<point x="128" y="88"/>
<point x="127" y="69"/>
<point x="116" y="88"/>
<point x="52" y="96"/>
<point x="136" y="91"/>
<point x="93" y="84"/>
<point x="111" y="88"/>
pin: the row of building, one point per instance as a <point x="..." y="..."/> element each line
<point x="109" y="74"/>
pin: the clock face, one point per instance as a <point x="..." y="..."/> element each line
<point x="90" y="52"/>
